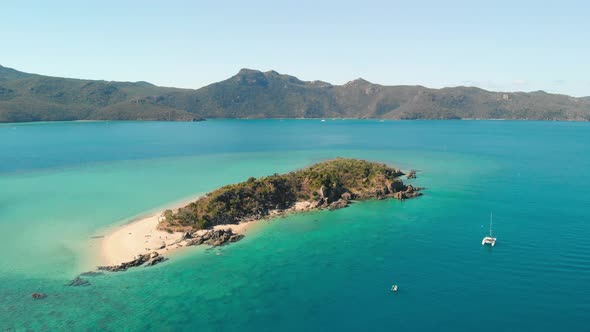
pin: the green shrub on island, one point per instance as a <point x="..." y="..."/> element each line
<point x="329" y="184"/>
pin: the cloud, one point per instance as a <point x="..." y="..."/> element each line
<point x="488" y="85"/>
<point x="469" y="83"/>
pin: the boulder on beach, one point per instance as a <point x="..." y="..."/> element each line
<point x="215" y="237"/>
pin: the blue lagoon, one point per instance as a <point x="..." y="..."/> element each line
<point x="63" y="184"/>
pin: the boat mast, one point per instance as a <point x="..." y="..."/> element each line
<point x="491" y="224"/>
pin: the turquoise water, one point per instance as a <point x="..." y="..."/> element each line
<point x="62" y="183"/>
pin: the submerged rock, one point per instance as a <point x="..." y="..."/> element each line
<point x="78" y="282"/>
<point x="91" y="274"/>
<point x="39" y="296"/>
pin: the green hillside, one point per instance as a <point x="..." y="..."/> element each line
<point x="256" y="94"/>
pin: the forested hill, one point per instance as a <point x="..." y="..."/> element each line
<point x="330" y="184"/>
<point x="256" y="94"/>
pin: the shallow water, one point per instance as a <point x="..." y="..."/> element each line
<point x="62" y="183"/>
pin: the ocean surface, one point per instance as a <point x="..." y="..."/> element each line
<point x="61" y="184"/>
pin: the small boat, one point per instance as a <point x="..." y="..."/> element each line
<point x="489" y="239"/>
<point x="394" y="288"/>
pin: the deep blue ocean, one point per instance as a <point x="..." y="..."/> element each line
<point x="63" y="183"/>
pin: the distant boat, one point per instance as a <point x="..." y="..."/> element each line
<point x="489" y="239"/>
<point x="394" y="288"/>
<point x="323" y="120"/>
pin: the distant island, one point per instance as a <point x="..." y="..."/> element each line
<point x="255" y="94"/>
<point x="219" y="217"/>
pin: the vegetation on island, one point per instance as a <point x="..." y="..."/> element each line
<point x="256" y="94"/>
<point x="329" y="184"/>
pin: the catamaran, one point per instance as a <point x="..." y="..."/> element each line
<point x="489" y="239"/>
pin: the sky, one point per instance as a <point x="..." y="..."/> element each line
<point x="496" y="45"/>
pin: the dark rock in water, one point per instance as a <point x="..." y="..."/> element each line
<point x="155" y="260"/>
<point x="91" y="274"/>
<point x="79" y="282"/>
<point x="236" y="237"/>
<point x="39" y="296"/>
<point x="411" y="174"/>
<point x="147" y="259"/>
<point x="408" y="192"/>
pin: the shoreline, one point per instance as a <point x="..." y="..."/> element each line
<point x="113" y="244"/>
<point x="299" y="119"/>
<point x="141" y="236"/>
<point x="150" y="238"/>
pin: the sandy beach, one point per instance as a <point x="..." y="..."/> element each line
<point x="141" y="236"/>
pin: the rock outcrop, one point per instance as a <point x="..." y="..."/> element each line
<point x="408" y="192"/>
<point x="339" y="204"/>
<point x="150" y="259"/>
<point x="213" y="238"/>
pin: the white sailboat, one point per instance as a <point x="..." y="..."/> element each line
<point x="489" y="239"/>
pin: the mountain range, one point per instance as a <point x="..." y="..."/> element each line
<point x="255" y="94"/>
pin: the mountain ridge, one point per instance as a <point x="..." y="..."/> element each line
<point x="252" y="93"/>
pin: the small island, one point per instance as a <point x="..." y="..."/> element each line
<point x="218" y="217"/>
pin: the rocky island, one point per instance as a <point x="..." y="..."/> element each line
<point x="218" y="217"/>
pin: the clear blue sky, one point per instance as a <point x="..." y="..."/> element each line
<point x="496" y="45"/>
